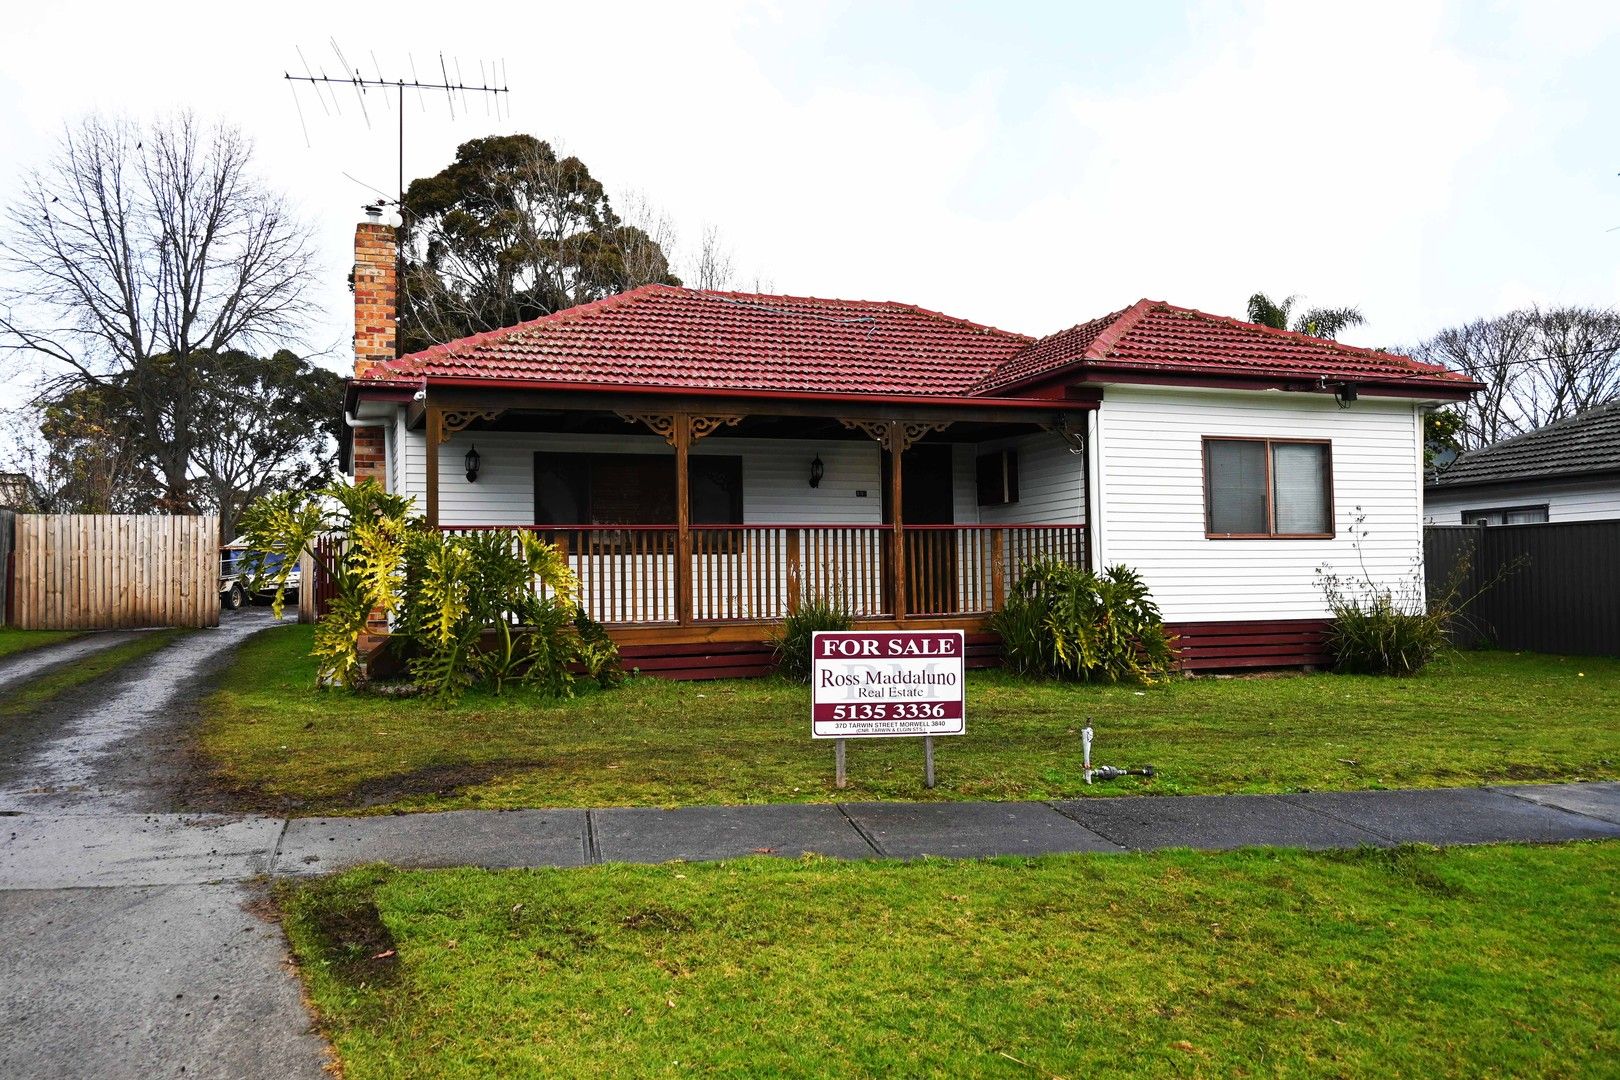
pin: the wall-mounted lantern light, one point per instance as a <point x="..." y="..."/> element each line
<point x="473" y="461"/>
<point x="817" y="471"/>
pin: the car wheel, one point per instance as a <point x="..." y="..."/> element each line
<point x="235" y="597"/>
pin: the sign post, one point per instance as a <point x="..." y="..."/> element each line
<point x="884" y="684"/>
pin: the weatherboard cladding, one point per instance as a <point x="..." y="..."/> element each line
<point x="1583" y="444"/>
<point x="694" y="339"/>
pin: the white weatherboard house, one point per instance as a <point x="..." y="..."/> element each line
<point x="710" y="460"/>
<point x="1566" y="471"/>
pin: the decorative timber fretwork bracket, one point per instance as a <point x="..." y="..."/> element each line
<point x="1063" y="428"/>
<point x="895" y="436"/>
<point x="454" y="420"/>
<point x="664" y="424"/>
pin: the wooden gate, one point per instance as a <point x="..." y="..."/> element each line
<point x="112" y="571"/>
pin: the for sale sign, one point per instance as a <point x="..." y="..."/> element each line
<point x="885" y="683"/>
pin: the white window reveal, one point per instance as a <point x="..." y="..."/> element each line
<point x="1267" y="488"/>
<point x="1507" y="515"/>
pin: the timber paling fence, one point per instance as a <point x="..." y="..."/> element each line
<point x="1552" y="588"/>
<point x="113" y="571"/>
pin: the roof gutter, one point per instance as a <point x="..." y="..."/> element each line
<point x="392" y="391"/>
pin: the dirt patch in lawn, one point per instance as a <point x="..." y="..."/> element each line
<point x="437" y="781"/>
<point x="345" y="931"/>
<point x="210" y="790"/>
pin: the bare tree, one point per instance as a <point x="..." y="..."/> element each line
<point x="647" y="232"/>
<point x="145" y="241"/>
<point x="1538" y="365"/>
<point x="714" y="268"/>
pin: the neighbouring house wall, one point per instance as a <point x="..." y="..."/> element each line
<point x="1151" y="483"/>
<point x="1594" y="499"/>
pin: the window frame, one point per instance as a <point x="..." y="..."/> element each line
<point x="1545" y="508"/>
<point x="1271" y="489"/>
<point x="1006" y="464"/>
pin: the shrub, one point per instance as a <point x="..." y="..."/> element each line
<point x="793" y="644"/>
<point x="1393" y="628"/>
<point x="1065" y="622"/>
<point x="486" y="608"/>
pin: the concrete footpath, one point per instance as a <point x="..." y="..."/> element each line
<point x="67" y="850"/>
<point x="134" y="947"/>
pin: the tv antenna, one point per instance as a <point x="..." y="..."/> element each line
<point x="491" y="84"/>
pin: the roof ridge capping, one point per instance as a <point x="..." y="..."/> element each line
<point x="765" y="298"/>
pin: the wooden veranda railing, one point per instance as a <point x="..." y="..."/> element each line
<point x="633" y="573"/>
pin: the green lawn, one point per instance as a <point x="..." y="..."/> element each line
<point x="1496" y="961"/>
<point x="13" y="640"/>
<point x="277" y="742"/>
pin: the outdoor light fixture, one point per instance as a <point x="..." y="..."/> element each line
<point x="817" y="471"/>
<point x="472" y="461"/>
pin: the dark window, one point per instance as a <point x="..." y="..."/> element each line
<point x="1507" y="515"/>
<point x="633" y="489"/>
<point x="998" y="478"/>
<point x="1267" y="488"/>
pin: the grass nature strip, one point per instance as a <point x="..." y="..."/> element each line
<point x="1490" y="961"/>
<point x="13" y="641"/>
<point x="39" y="692"/>
<point x="280" y="743"/>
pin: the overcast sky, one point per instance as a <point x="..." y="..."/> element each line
<point x="1024" y="165"/>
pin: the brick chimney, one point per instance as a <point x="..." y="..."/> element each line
<point x="375" y="271"/>
<point x="374" y="329"/>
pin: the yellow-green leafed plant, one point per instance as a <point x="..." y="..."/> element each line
<point x="498" y="606"/>
<point x="357" y="535"/>
<point x="488" y="607"/>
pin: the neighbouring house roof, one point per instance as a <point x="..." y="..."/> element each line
<point x="694" y="339"/>
<point x="1586" y="443"/>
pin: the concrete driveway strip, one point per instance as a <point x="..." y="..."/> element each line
<point x="1213" y="822"/>
<point x="149" y="981"/>
<point x="101" y="754"/>
<point x="64" y="851"/>
<point x="454" y="838"/>
<point x="724" y="832"/>
<point x="1454" y="816"/>
<point x="972" y="830"/>
<point x="21" y="667"/>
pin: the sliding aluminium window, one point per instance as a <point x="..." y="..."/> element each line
<point x="1262" y="489"/>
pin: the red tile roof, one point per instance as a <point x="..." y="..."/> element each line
<point x="1159" y="338"/>
<point x="693" y="339"/>
<point x="660" y="335"/>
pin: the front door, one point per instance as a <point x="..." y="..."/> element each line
<point x="927" y="498"/>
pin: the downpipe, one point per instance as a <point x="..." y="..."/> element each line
<point x="388" y="444"/>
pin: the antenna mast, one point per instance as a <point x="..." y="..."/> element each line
<point x="498" y="92"/>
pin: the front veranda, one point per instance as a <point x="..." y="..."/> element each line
<point x="709" y="520"/>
